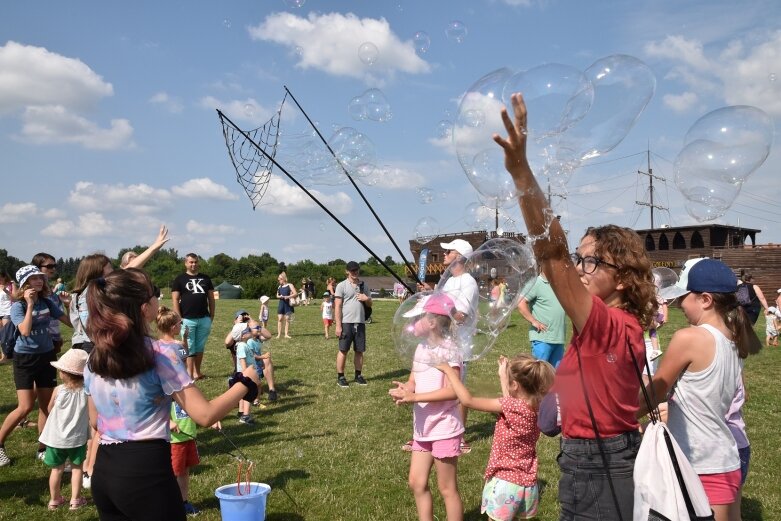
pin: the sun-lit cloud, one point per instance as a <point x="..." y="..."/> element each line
<point x="170" y="103"/>
<point x="286" y="199"/>
<point x="135" y="199"/>
<point x="203" y="188"/>
<point x="55" y="124"/>
<point x="330" y="43"/>
<point x="196" y="227"/>
<point x="681" y="102"/>
<point x="743" y="72"/>
<point x="17" y="212"/>
<point x="247" y="110"/>
<point x="90" y="224"/>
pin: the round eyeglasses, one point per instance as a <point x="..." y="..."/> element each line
<point x="590" y="263"/>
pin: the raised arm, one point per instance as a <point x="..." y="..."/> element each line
<point x="550" y="248"/>
<point x="205" y="412"/>
<point x="143" y="257"/>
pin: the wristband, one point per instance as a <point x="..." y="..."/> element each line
<point x="252" y="387"/>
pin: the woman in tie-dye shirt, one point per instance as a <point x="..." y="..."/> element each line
<point x="131" y="380"/>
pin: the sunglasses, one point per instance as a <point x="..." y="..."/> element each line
<point x="49" y="266"/>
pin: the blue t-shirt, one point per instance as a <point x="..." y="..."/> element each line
<point x="244" y="352"/>
<point x="39" y="340"/>
<point x="255" y="347"/>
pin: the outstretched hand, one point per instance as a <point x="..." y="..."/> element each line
<point x="162" y="237"/>
<point x="514" y="145"/>
<point x="401" y="393"/>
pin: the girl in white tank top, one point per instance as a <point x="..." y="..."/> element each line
<point x="702" y="366"/>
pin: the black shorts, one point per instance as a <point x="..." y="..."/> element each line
<point x="34" y="370"/>
<point x="355" y="335"/>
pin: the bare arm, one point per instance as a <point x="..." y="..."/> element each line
<point x="526" y="312"/>
<point x="26" y="326"/>
<point x="760" y="296"/>
<point x="551" y="246"/>
<point x="212" y="304"/>
<point x="465" y="397"/>
<point x="143" y="257"/>
<point x="205" y="412"/>
<point x="175" y="295"/>
<point x="338" y="315"/>
<point x="93" y="415"/>
<point x="51" y="402"/>
<point x="406" y="393"/>
<point x="676" y="359"/>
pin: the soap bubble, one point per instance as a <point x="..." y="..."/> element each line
<point x="321" y="226"/>
<point x="422" y="42"/>
<point x="445" y="129"/>
<point x="368" y="53"/>
<point x="487" y="316"/>
<point x="478" y="217"/>
<point x="425" y="195"/>
<point x="623" y="86"/>
<point x="664" y="277"/>
<point x="556" y="95"/>
<point x="456" y="31"/>
<point x="478" y="119"/>
<point x="226" y="23"/>
<point x="249" y="110"/>
<point x="702" y="212"/>
<point x="299" y="50"/>
<point x="352" y="147"/>
<point x="295" y="4"/>
<point x="411" y="333"/>
<point x="771" y="76"/>
<point x="372" y="105"/>
<point x="426" y="230"/>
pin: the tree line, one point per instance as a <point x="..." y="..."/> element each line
<point x="256" y="274"/>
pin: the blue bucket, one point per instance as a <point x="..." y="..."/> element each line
<point x="249" y="506"/>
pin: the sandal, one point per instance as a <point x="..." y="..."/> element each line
<point x="78" y="503"/>
<point x="54" y="504"/>
<point x="465" y="448"/>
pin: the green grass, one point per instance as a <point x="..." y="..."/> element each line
<point x="334" y="454"/>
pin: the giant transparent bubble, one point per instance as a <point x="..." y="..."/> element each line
<point x="424" y="340"/>
<point x="557" y="96"/>
<point x="478" y="119"/>
<point x="664" y="277"/>
<point x="623" y="86"/>
<point x="352" y="147"/>
<point x="426" y="230"/>
<point x="477" y="216"/>
<point x="371" y="105"/>
<point x="473" y="286"/>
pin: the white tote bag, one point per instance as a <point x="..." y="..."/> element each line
<point x="659" y="495"/>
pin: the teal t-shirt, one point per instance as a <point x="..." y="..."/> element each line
<point x="244" y="352"/>
<point x="545" y="307"/>
<point x="187" y="426"/>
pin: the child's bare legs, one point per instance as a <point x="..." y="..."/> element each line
<point x="268" y="374"/>
<point x="76" y="479"/>
<point x="447" y="474"/>
<point x="184" y="484"/>
<point x="326" y="327"/>
<point x="419" y="470"/>
<point x="729" y="512"/>
<point x="55" y="482"/>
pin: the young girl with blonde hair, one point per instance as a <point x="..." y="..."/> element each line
<point x="511" y="490"/>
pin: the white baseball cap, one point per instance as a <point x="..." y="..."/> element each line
<point x="460" y="245"/>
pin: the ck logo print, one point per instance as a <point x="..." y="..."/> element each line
<point x="194" y="286"/>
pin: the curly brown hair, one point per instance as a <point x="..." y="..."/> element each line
<point x="625" y="249"/>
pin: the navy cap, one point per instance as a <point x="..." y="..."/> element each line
<point x="700" y="276"/>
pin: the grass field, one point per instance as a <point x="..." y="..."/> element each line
<point x="334" y="454"/>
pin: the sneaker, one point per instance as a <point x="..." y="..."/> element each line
<point x="341" y="381"/>
<point x="239" y="415"/>
<point x="272" y="395"/>
<point x="247" y="420"/>
<point x="360" y="380"/>
<point x="4" y="459"/>
<point x="190" y="509"/>
<point x="86" y="481"/>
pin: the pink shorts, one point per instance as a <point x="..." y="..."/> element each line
<point x="723" y="488"/>
<point x="440" y="449"/>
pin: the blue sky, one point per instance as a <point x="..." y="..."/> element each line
<point x="108" y="127"/>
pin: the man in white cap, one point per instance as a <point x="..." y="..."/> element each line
<point x="778" y="298"/>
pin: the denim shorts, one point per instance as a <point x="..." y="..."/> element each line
<point x="584" y="491"/>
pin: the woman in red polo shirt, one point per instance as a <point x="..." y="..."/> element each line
<point x="607" y="291"/>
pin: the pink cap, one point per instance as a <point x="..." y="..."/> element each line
<point x="439" y="304"/>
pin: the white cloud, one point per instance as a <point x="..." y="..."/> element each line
<point x="56" y="124"/>
<point x="248" y="110"/>
<point x="91" y="224"/>
<point x="16" y="212"/>
<point x="681" y="102"/>
<point x="203" y="188"/>
<point x="741" y="73"/>
<point x="614" y="210"/>
<point x="330" y="43"/>
<point x="170" y="103"/>
<point x="287" y="199"/>
<point x="54" y="213"/>
<point x="395" y="178"/>
<point x="34" y="76"/>
<point x="135" y="199"/>
<point x="195" y="227"/>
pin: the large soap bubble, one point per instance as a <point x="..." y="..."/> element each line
<point x="664" y="277"/>
<point x="456" y="31"/>
<point x="623" y="86"/>
<point x="556" y="95"/>
<point x="477" y="216"/>
<point x="352" y="147"/>
<point x="423" y="336"/>
<point x="422" y="42"/>
<point x="371" y="105"/>
<point x="426" y="230"/>
<point x="478" y="119"/>
<point x="425" y="195"/>
<point x="471" y="284"/>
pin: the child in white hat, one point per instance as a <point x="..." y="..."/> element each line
<point x="263" y="313"/>
<point x="771" y="326"/>
<point x="67" y="429"/>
